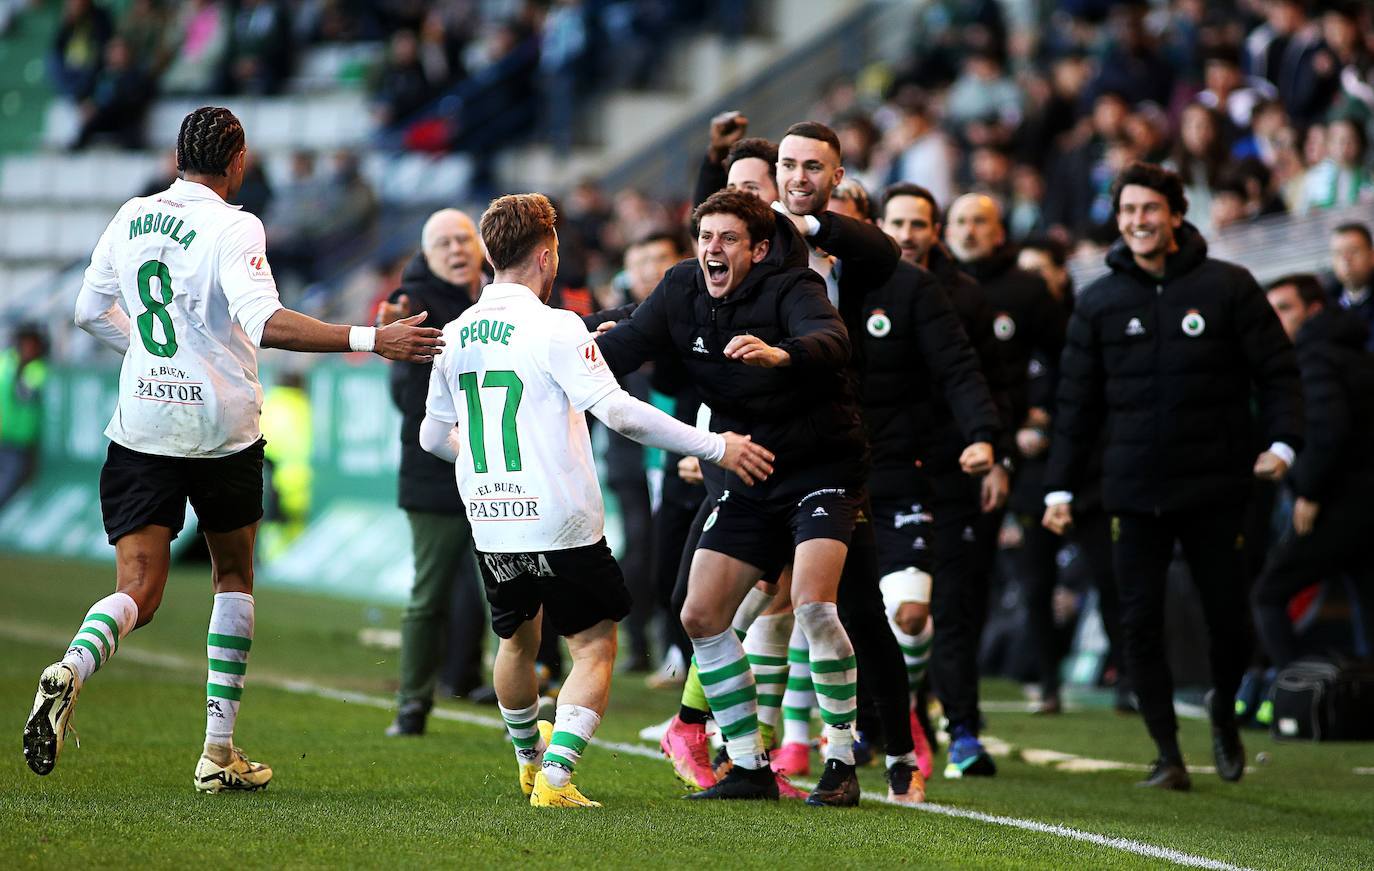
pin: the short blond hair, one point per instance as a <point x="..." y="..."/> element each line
<point x="513" y="225"/>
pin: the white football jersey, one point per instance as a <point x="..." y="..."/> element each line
<point x="516" y="377"/>
<point x="192" y="272"/>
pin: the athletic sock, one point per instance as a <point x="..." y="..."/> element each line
<point x="523" y="726"/>
<point x="834" y="675"/>
<point x="106" y="624"/>
<point x="693" y="696"/>
<point x="766" y="645"/>
<point x="755" y="602"/>
<point x="729" y="685"/>
<point x="916" y="653"/>
<point x="909" y="758"/>
<point x="800" y="696"/>
<point x="227" y="646"/>
<point x="573" y="726"/>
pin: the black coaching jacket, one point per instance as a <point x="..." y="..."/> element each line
<point x="806" y="413"/>
<point x="909" y="348"/>
<point x="1338" y="397"/>
<point x="1168" y="365"/>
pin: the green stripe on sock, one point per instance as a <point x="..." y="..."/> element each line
<point x="110" y="622"/>
<point x="837" y="691"/>
<point x="525" y="743"/>
<point x="767" y="701"/>
<point x="569" y="740"/>
<point x="763" y="659"/>
<point x="729" y="700"/>
<point x="739" y="727"/>
<point x="233" y="642"/>
<point x="527" y="724"/>
<point x="837" y="719"/>
<point x="221" y="691"/>
<point x="81" y="642"/>
<point x="796" y="713"/>
<point x="830" y="666"/>
<point x="104" y="645"/>
<point x="559" y="760"/>
<point x="738" y="667"/>
<point x="798" y="654"/>
<point x="799" y="684"/>
<point x="777" y="677"/>
<point x="915" y="651"/>
<point x="228" y="666"/>
<point x="741" y="633"/>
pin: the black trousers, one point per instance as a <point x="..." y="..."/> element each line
<point x="1092" y="533"/>
<point x="672" y="524"/>
<point x="632" y="492"/>
<point x="1213" y="546"/>
<point x="1337" y="545"/>
<point x="964" y="545"/>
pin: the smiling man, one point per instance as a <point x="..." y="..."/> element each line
<point x="767" y="353"/>
<point x="1164" y="354"/>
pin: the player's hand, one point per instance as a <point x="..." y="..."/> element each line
<point x="689" y="470"/>
<point x="403" y="340"/>
<point x="751" y="462"/>
<point x="604" y="327"/>
<point x="1270" y="467"/>
<point x="753" y="351"/>
<point x="1305" y="515"/>
<point x="727" y="128"/>
<point x="1058" y="518"/>
<point x="390" y="312"/>
<point x="993" y="491"/>
<point x="976" y="459"/>
<point x="1031" y="441"/>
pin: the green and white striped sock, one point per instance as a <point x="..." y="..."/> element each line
<point x="227" y="646"/>
<point x="800" y="696"/>
<point x="573" y="726"/>
<point x="523" y="726"/>
<point x="916" y="652"/>
<point x="106" y="624"/>
<point x="766" y="645"/>
<point x="834" y="674"/>
<point x="729" y="685"/>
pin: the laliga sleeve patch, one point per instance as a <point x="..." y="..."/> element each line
<point x="258" y="268"/>
<point x="591" y="356"/>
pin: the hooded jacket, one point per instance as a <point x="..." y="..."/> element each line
<point x="1168" y="366"/>
<point x="427" y="483"/>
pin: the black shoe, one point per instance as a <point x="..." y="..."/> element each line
<point x="1168" y="774"/>
<point x="483" y="696"/>
<point x="743" y="784"/>
<point x="1226" y="747"/>
<point x="410" y="720"/>
<point x="838" y="787"/>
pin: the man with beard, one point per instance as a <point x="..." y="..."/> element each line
<point x="1165" y="354"/>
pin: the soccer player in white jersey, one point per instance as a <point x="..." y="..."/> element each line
<point x="506" y="403"/>
<point x="191" y="272"/>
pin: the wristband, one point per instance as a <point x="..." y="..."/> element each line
<point x="362" y="338"/>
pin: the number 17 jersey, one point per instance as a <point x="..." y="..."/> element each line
<point x="516" y="377"/>
<point x="192" y="273"/>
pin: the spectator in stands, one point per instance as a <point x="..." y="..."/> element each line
<point x="293" y="223"/>
<point x="1350" y="284"/>
<point x="1342" y="178"/>
<point x="144" y="26"/>
<point x="79" y="48"/>
<point x="444" y="279"/>
<point x="1242" y="194"/>
<point x="117" y="106"/>
<point x="1268" y="120"/>
<point x="401" y="87"/>
<point x="255" y="194"/>
<point x="260" y="49"/>
<point x="1079" y="198"/>
<point x="201" y="36"/>
<point x="920" y="151"/>
<point x="1344" y="24"/>
<point x="1288" y="51"/>
<point x="984" y="93"/>
<point x="1333" y="476"/>
<point x="1133" y="65"/>
<point x="439" y="51"/>
<point x="561" y="51"/>
<point x="1199" y="157"/>
<point x="23" y="372"/>
<point x="1230" y="91"/>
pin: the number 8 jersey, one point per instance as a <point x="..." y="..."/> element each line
<point x="516" y="377"/>
<point x="191" y="271"/>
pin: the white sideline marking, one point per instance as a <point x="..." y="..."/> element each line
<point x="1362" y="770"/>
<point x="173" y="662"/>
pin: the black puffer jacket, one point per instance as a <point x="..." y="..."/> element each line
<point x="1168" y="366"/>
<point x="1338" y="397"/>
<point x="1025" y="319"/>
<point x="427" y="483"/>
<point x="806" y="413"/>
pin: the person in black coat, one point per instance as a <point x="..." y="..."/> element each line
<point x="1165" y="353"/>
<point x="1333" y="476"/>
<point x="1350" y="284"/>
<point x="445" y="602"/>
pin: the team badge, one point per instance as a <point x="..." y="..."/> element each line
<point x="879" y="324"/>
<point x="1193" y="324"/>
<point x="1003" y="327"/>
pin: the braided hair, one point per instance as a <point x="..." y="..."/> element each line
<point x="209" y="138"/>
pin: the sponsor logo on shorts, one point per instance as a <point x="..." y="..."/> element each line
<point x="508" y="566"/>
<point x="916" y="515"/>
<point x="820" y="512"/>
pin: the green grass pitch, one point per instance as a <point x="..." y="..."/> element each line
<point x="344" y="795"/>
